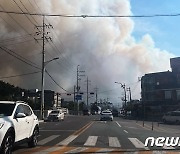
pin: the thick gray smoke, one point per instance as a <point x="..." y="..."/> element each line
<point x="103" y="47"/>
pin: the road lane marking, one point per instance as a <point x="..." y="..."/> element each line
<point x="91" y="141"/>
<point x="80" y="131"/>
<point x="48" y="139"/>
<point x="132" y="127"/>
<point x="67" y="140"/>
<point x="137" y="143"/>
<point x="77" y="150"/>
<point x="75" y="135"/>
<point x="118" y="124"/>
<point x="114" y="142"/>
<point x="125" y="131"/>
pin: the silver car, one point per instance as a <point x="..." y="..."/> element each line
<point x="106" y="115"/>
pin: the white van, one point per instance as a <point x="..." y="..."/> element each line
<point x="172" y="117"/>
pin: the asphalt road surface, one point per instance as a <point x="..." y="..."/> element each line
<point x="86" y="134"/>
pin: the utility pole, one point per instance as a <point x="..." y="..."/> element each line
<point x="41" y="31"/>
<point x="96" y="89"/>
<point x="74" y="97"/>
<point x="78" y="87"/>
<point x="129" y="89"/>
<point x="88" y="81"/>
<point x="124" y="88"/>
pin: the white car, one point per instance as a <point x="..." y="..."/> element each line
<point x="106" y="115"/>
<point x="17" y="123"/>
<point x="55" y="115"/>
<point x="172" y="117"/>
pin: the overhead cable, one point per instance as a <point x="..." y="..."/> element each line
<point x="91" y="16"/>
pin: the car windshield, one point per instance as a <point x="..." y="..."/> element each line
<point x="6" y="109"/>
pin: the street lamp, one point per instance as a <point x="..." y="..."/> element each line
<point x="42" y="84"/>
<point x="47" y="62"/>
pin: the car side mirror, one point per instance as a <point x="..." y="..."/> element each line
<point x="20" y="115"/>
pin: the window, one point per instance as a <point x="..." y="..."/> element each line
<point x="6" y="109"/>
<point x="27" y="110"/>
<point x="20" y="109"/>
<point x="168" y="94"/>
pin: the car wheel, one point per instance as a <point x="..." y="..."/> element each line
<point x="7" y="144"/>
<point x="34" y="139"/>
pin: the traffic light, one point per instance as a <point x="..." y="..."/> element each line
<point x="69" y="94"/>
<point x="92" y="93"/>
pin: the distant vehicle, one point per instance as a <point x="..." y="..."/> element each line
<point x="172" y="117"/>
<point x="17" y="123"/>
<point x="86" y="112"/>
<point x="55" y="115"/>
<point x="106" y="115"/>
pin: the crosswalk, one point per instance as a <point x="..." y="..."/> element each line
<point x="90" y="144"/>
<point x="92" y="141"/>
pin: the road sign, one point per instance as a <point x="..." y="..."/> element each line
<point x="78" y="97"/>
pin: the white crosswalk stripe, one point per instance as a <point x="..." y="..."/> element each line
<point x="91" y="141"/>
<point x="114" y="142"/>
<point x="48" y="139"/>
<point x="137" y="143"/>
<point x="68" y="140"/>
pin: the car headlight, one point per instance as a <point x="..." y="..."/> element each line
<point x="1" y="125"/>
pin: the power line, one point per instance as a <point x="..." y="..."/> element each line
<point x="28" y="11"/>
<point x="15" y="38"/>
<point x="55" y="81"/>
<point x="23" y="12"/>
<point x="91" y="16"/>
<point x="13" y="76"/>
<point x="17" y="56"/>
<point x="4" y="44"/>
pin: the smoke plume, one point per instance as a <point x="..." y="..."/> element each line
<point x="103" y="47"/>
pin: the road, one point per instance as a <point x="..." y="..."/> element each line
<point x="86" y="134"/>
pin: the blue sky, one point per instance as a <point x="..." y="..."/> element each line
<point x="165" y="31"/>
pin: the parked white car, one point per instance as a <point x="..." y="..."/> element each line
<point x="17" y="123"/>
<point x="106" y="115"/>
<point x="172" y="117"/>
<point x="55" y="115"/>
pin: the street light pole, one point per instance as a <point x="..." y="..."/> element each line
<point x="42" y="84"/>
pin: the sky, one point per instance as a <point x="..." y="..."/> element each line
<point x="163" y="30"/>
<point x="108" y="49"/>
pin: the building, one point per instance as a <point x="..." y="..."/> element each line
<point x="160" y="92"/>
<point x="51" y="99"/>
